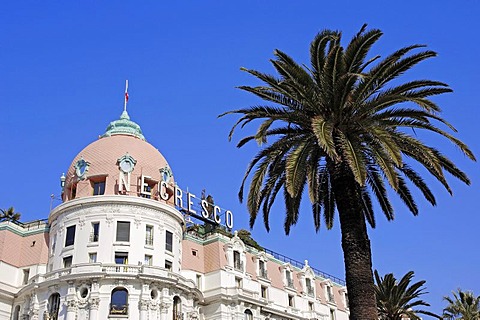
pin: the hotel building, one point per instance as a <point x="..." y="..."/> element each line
<point x="122" y="245"/>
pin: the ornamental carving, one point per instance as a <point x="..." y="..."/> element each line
<point x="94" y="303"/>
<point x="72" y="305"/>
<point x="193" y="315"/>
<point x="143" y="304"/>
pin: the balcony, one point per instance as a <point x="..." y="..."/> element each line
<point x="330" y="297"/>
<point x="238" y="265"/>
<point x="94" y="237"/>
<point x="310" y="291"/>
<point x="177" y="315"/>
<point x="149" y="241"/>
<point x="263" y="274"/>
<point x="290" y="283"/>
<point x="117" y="309"/>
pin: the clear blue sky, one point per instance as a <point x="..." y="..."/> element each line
<point x="62" y="70"/>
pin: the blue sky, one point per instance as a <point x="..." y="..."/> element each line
<point x="63" y="65"/>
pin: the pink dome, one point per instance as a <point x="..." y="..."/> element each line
<point x="102" y="159"/>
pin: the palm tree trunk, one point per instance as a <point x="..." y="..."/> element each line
<point x="356" y="247"/>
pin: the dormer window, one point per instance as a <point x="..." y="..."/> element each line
<point x="309" y="287"/>
<point x="262" y="269"/>
<point x="288" y="278"/>
<point x="237" y="263"/>
<point x="329" y="294"/>
<point x="98" y="188"/>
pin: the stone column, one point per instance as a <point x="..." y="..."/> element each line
<point x="94" y="303"/>
<point x="71" y="310"/>
<point x="143" y="306"/>
<point x="164" y="309"/>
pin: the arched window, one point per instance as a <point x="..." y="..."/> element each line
<point x="248" y="314"/>
<point x="119" y="301"/>
<point x="177" y="308"/>
<point x="16" y="313"/>
<point x="54" y="306"/>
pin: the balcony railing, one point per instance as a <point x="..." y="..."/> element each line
<point x="263" y="273"/>
<point x="149" y="241"/>
<point x="94" y="237"/>
<point x="121" y="309"/>
<point x="310" y="291"/>
<point x="290" y="283"/>
<point x="300" y="265"/>
<point x="177" y="315"/>
<point x="238" y="265"/>
<point x="330" y="297"/>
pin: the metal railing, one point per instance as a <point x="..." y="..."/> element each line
<point x="290" y="283"/>
<point x="93" y="237"/>
<point x="263" y="273"/>
<point x="121" y="309"/>
<point x="310" y="291"/>
<point x="331" y="298"/>
<point x="300" y="265"/>
<point x="177" y="315"/>
<point x="149" y="240"/>
<point x="238" y="265"/>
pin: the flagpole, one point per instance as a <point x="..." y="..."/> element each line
<point x="126" y="97"/>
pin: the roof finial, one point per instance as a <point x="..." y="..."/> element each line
<point x="126" y="96"/>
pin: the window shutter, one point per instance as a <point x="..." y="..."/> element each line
<point x="123" y="231"/>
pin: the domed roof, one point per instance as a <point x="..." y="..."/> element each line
<point x="122" y="149"/>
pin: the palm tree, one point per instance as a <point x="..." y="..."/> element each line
<point x="340" y="128"/>
<point x="9" y="215"/>
<point x="396" y="300"/>
<point x="464" y="306"/>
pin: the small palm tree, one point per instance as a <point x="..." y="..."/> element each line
<point x="345" y="128"/>
<point x="9" y="215"/>
<point x="397" y="300"/>
<point x="463" y="306"/>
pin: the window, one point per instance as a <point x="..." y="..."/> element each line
<point x="95" y="232"/>
<point x="237" y="263"/>
<point x="123" y="231"/>
<point x="291" y="302"/>
<point x="199" y="282"/>
<point x="169" y="241"/>
<point x="194" y="252"/>
<point x="53" y="305"/>
<point x="309" y="287"/>
<point x="288" y="277"/>
<point x="262" y="270"/>
<point x="148" y="260"/>
<point x="332" y="314"/>
<point x="238" y="282"/>
<point x="149" y="235"/>
<point x="264" y="292"/>
<point x="347" y="302"/>
<point x="119" y="301"/>
<point x="310" y="306"/>
<point x="177" y="308"/>
<point x="248" y="314"/>
<point x="67" y="261"/>
<point x="121" y="257"/>
<point x="26" y="275"/>
<point x="54" y="244"/>
<point x="70" y="238"/>
<point x="168" y="265"/>
<point x="16" y="313"/>
<point x="74" y="191"/>
<point x="99" y="188"/>
<point x="330" y="297"/>
<point x="92" y="257"/>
